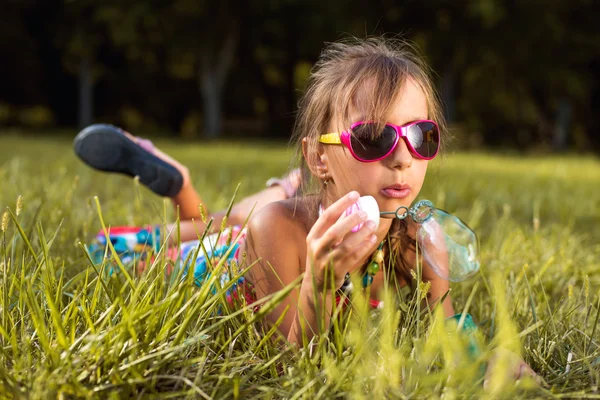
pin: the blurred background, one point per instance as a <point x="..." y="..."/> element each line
<point x="512" y="74"/>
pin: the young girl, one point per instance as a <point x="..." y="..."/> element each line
<point x="382" y="96"/>
<point x="368" y="124"/>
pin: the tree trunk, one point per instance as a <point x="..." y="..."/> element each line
<point x="560" y="132"/>
<point x="291" y="46"/>
<point x="216" y="62"/>
<point x="448" y="93"/>
<point x="86" y="97"/>
<point x="211" y="100"/>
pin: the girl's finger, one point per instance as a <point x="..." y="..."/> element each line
<point x="342" y="227"/>
<point x="333" y="213"/>
<point x="345" y="257"/>
<point x="351" y="248"/>
<point x="356" y="247"/>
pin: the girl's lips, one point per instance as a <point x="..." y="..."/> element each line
<point x="396" y="191"/>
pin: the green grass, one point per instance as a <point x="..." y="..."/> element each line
<point x="70" y="329"/>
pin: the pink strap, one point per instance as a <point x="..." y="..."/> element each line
<point x="145" y="144"/>
<point x="285" y="183"/>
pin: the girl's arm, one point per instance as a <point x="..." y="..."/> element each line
<point x="278" y="242"/>
<point x="274" y="243"/>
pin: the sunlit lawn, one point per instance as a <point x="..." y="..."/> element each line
<point x="68" y="328"/>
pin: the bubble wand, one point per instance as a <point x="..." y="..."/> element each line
<point x="447" y="243"/>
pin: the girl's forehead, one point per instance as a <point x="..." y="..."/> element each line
<point x="408" y="103"/>
<point x="410" y="106"/>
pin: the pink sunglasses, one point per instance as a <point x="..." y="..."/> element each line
<point x="367" y="144"/>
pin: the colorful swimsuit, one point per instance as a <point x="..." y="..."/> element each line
<point x="136" y="245"/>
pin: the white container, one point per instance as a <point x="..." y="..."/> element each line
<point x="369" y="205"/>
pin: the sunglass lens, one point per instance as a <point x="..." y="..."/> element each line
<point x="424" y="138"/>
<point x="371" y="141"/>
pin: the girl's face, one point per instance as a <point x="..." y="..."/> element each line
<point x="393" y="181"/>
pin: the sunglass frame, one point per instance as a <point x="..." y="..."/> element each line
<point x="401" y="132"/>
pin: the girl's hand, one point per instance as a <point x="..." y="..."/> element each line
<point x="514" y="368"/>
<point x="331" y="243"/>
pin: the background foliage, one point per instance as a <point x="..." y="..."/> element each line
<point x="512" y="73"/>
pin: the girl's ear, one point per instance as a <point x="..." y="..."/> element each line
<point x="318" y="167"/>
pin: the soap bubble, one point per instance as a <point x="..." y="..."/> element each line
<point x="448" y="245"/>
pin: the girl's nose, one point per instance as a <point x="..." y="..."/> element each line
<point x="401" y="157"/>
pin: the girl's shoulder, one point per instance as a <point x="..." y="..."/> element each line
<point x="276" y="237"/>
<point x="290" y="217"/>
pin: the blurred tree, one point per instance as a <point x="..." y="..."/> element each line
<point x="515" y="73"/>
<point x="204" y="35"/>
<point x="514" y="82"/>
<point x="197" y="41"/>
<point x="18" y="42"/>
<point x="30" y="72"/>
<point x="78" y="39"/>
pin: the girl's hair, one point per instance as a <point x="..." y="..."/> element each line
<point x="368" y="74"/>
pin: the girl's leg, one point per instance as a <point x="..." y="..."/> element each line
<point x="98" y="140"/>
<point x="189" y="202"/>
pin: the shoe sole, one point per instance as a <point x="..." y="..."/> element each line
<point x="106" y="148"/>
